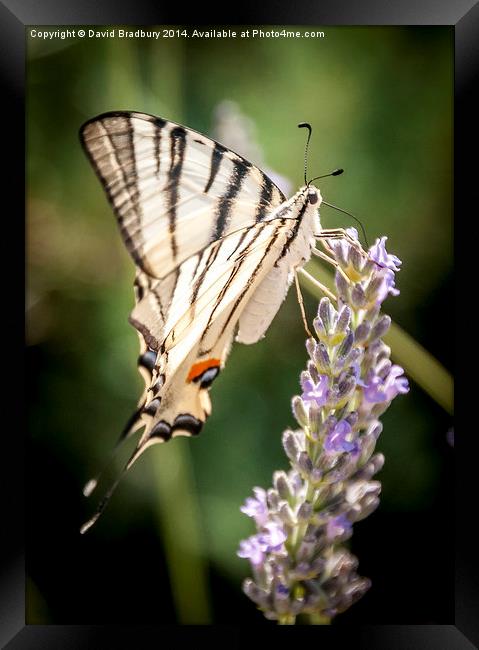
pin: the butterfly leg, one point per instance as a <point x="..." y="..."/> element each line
<point x="330" y="260"/>
<point x="323" y="256"/>
<point x="301" y="302"/>
<point x="318" y="284"/>
<point x="338" y="233"/>
<point x="332" y="233"/>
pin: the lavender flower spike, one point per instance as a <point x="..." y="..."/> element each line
<point x="298" y="559"/>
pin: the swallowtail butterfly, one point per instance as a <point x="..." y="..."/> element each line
<point x="216" y="245"/>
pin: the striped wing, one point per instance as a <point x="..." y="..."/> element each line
<point x="210" y="235"/>
<point x="174" y="191"/>
<point x="201" y="320"/>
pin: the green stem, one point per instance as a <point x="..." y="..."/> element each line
<point x="179" y="520"/>
<point x="421" y="366"/>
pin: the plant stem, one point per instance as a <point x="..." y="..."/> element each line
<point x="179" y="521"/>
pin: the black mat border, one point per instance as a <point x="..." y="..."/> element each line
<point x="14" y="16"/>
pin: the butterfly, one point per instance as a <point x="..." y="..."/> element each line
<point x="216" y="245"/>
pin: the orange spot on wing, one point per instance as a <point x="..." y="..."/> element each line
<point x="197" y="369"/>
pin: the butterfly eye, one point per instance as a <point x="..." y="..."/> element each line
<point x="313" y="197"/>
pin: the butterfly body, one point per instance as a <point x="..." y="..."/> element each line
<point x="215" y="244"/>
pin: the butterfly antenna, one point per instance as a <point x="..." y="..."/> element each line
<point x="335" y="207"/>
<point x="335" y="172"/>
<point x="305" y="125"/>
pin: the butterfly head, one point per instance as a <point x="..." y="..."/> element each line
<point x="310" y="196"/>
<point x="313" y="195"/>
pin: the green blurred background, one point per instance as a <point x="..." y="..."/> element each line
<point x="380" y="102"/>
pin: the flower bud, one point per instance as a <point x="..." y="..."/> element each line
<point x="299" y="411"/>
<point x="344" y="318"/>
<point x="345" y="347"/>
<point x="313" y="371"/>
<point x="257" y="595"/>
<point x="327" y="314"/>
<point x="305" y="511"/>
<point x="273" y="499"/>
<point x="358" y="297"/>
<point x="381" y="327"/>
<point x="374" y="288"/>
<point x="356" y="259"/>
<point x="290" y="445"/>
<point x="321" y="359"/>
<point x="362" y="332"/>
<point x="311" y="346"/>
<point x="343" y="286"/>
<point x="304" y="463"/>
<point x="281" y="483"/>
<point x="286" y="514"/>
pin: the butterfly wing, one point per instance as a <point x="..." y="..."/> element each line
<point x="177" y="195"/>
<point x="179" y="372"/>
<point x="202" y="319"/>
<point x="205" y="228"/>
<point x="173" y="190"/>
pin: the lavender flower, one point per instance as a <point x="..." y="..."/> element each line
<point x="315" y="393"/>
<point x="257" y="507"/>
<point x="385" y="389"/>
<point x="297" y="556"/>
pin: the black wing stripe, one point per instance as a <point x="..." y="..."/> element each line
<point x="151" y="341"/>
<point x="141" y="285"/>
<point x="123" y="184"/>
<point x="198" y="262"/>
<point x="177" y="277"/>
<point x="211" y="258"/>
<point x="237" y="177"/>
<point x="264" y="199"/>
<point x="216" y="156"/>
<point x="277" y="195"/>
<point x="159" y="302"/>
<point x="177" y="152"/>
<point x="294" y="231"/>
